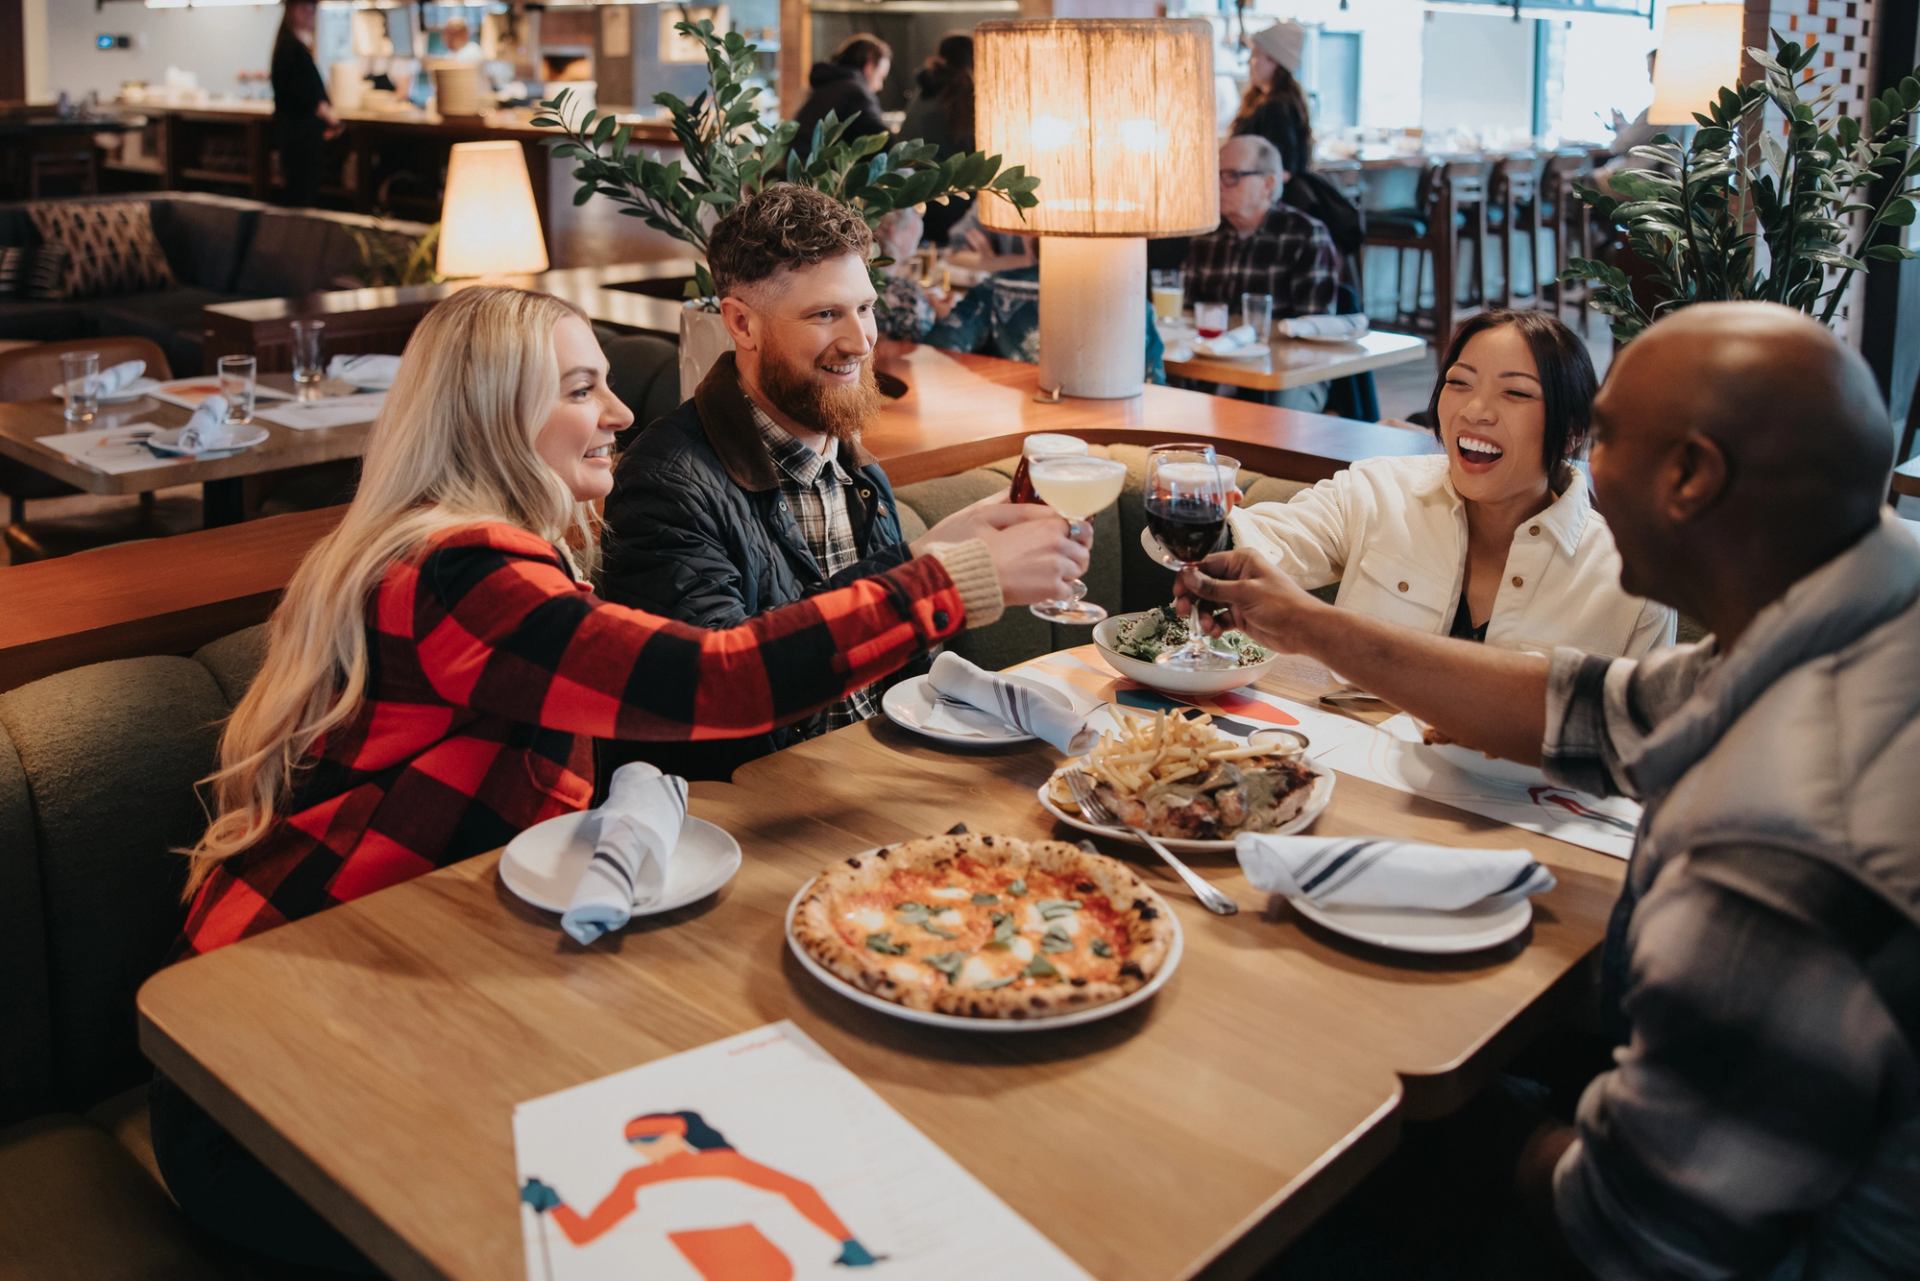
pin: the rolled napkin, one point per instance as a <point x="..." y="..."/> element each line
<point x="1354" y="326"/>
<point x="110" y="380"/>
<point x="373" y="371"/>
<point x="208" y="429"/>
<point x="639" y="826"/>
<point x="1349" y="871"/>
<point x="1235" y="340"/>
<point x="1044" y="713"/>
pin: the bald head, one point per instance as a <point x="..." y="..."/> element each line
<point x="1737" y="433"/>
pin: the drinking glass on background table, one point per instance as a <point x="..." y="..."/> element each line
<point x="1256" y="310"/>
<point x="1076" y="486"/>
<point x="1169" y="295"/>
<point x="236" y="384"/>
<point x="80" y="379"/>
<point x="1210" y="318"/>
<point x="1188" y="496"/>
<point x="307" y="369"/>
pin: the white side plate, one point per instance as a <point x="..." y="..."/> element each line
<point x="1472" y="929"/>
<point x="910" y="703"/>
<point x="544" y="863"/>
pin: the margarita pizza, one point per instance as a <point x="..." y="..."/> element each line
<point x="985" y="926"/>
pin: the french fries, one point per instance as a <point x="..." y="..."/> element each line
<point x="1161" y="749"/>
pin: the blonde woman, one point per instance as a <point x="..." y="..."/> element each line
<point x="439" y="665"/>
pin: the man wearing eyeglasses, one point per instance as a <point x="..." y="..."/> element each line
<point x="1263" y="245"/>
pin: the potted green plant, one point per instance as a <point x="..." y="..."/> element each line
<point x="730" y="153"/>
<point x="1700" y="215"/>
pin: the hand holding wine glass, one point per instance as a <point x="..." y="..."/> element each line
<point x="1076" y="487"/>
<point x="1187" y="503"/>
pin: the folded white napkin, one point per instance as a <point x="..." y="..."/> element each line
<point x="364" y="371"/>
<point x="114" y="377"/>
<point x="639" y="826"/>
<point x="1353" y="326"/>
<point x="1234" y="340"/>
<point x="989" y="701"/>
<point x="1349" y="871"/>
<point x="208" y="428"/>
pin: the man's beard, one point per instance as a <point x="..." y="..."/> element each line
<point x="799" y="392"/>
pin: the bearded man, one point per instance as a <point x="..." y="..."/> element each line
<point x="756" y="492"/>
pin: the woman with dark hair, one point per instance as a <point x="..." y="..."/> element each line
<point x="681" y="1145"/>
<point x="942" y="114"/>
<point x="847" y="85"/>
<point x="1496" y="540"/>
<point x="1274" y="105"/>
<point x="303" y="117"/>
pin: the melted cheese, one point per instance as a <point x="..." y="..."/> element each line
<point x="1021" y="948"/>
<point x="950" y="892"/>
<point x="1035" y="923"/>
<point x="908" y="974"/>
<point x="870" y="919"/>
<point x="951" y="919"/>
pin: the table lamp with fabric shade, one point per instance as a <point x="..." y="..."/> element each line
<point x="489" y="224"/>
<point x="1115" y="117"/>
<point x="1700" y="48"/>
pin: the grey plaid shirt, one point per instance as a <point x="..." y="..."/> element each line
<point x="1289" y="255"/>
<point x="815" y="489"/>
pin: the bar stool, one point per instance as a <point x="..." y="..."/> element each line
<point x="1448" y="213"/>
<point x="1512" y="210"/>
<point x="1567" y="217"/>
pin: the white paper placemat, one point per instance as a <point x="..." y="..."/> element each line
<point x="335" y="411"/>
<point x="113" y="450"/>
<point x="189" y="392"/>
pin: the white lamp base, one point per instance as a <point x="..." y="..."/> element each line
<point x="1093" y="316"/>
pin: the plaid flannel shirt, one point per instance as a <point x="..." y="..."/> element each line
<point x="1289" y="255"/>
<point x="491" y="669"/>
<point x="1760" y="1120"/>
<point x="815" y="487"/>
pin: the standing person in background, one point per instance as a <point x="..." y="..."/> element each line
<point x="303" y="117"/>
<point x="847" y="85"/>
<point x="458" y="37"/>
<point x="942" y="114"/>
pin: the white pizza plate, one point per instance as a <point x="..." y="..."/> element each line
<point x="544" y="863"/>
<point x="1318" y="798"/>
<point x="960" y="1023"/>
<point x="911" y="702"/>
<point x="167" y="443"/>
<point x="1472" y="929"/>
<point x="132" y="391"/>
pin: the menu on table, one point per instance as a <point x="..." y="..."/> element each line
<point x="755" y="1156"/>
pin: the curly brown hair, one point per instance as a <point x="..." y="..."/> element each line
<point x="782" y="227"/>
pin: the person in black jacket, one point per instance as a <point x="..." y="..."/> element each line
<point x="942" y="114"/>
<point x="848" y="85"/>
<point x="303" y="117"/>
<point x="757" y="492"/>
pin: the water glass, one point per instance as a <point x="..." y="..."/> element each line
<point x="80" y="379"/>
<point x="307" y="370"/>
<point x="1257" y="310"/>
<point x="1210" y="318"/>
<point x="1169" y="295"/>
<point x="237" y="384"/>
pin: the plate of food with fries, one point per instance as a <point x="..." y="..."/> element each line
<point x="1193" y="786"/>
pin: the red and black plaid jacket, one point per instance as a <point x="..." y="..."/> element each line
<point x="491" y="670"/>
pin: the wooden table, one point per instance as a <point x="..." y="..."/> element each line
<point x="168" y="595"/>
<point x="22" y="423"/>
<point x="1906" y="478"/>
<point x="1292" y="362"/>
<point x="372" y="1055"/>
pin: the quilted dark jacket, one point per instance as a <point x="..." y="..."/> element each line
<point x="697" y="531"/>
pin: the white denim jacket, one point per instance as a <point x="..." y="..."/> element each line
<point x="1393" y="533"/>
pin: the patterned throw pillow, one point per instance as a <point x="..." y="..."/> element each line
<point x="45" y="278"/>
<point x="111" y="248"/>
<point x="13" y="271"/>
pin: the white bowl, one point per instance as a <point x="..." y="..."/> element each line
<point x="1172" y="680"/>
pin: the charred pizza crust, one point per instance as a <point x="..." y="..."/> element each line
<point x="834" y="917"/>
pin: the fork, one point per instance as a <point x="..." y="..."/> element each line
<point x="1094" y="808"/>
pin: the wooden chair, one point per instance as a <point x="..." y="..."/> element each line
<point x="1561" y="214"/>
<point x="25" y="374"/>
<point x="1512" y="211"/>
<point x="1448" y="215"/>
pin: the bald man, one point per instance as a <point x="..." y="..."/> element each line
<point x="1763" y="1116"/>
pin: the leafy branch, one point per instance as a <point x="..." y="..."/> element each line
<point x="730" y="153"/>
<point x="1698" y="215"/>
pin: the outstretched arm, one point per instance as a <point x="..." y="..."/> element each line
<point x="797" y="1191"/>
<point x="613" y="1207"/>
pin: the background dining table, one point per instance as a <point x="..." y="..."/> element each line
<point x="372" y="1055"/>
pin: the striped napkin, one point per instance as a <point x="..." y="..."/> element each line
<point x="639" y="826"/>
<point x="1349" y="871"/>
<point x="208" y="429"/>
<point x="375" y="372"/>
<point x="1029" y="708"/>
<point x="1353" y="326"/>
<point x="112" y="379"/>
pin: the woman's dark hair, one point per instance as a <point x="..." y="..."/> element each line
<point x="1567" y="384"/>
<point x="1286" y="95"/>
<point x="286" y="31"/>
<point x="948" y="75"/>
<point x="861" y="50"/>
<point x="700" y="1136"/>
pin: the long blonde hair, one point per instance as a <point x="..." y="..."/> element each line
<point x="453" y="446"/>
